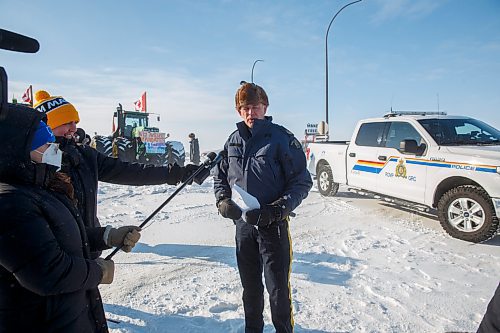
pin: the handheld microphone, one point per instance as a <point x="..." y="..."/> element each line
<point x="210" y="158"/>
<point x="18" y="43"/>
<point x="209" y="163"/>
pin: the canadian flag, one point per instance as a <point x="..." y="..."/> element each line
<point x="28" y="95"/>
<point x="140" y="105"/>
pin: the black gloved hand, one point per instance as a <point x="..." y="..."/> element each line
<point x="263" y="217"/>
<point x="228" y="209"/>
<point x="188" y="172"/>
<point x="268" y="214"/>
<point x="180" y="174"/>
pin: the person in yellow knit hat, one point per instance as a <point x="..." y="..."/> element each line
<point x="86" y="167"/>
<point x="60" y="113"/>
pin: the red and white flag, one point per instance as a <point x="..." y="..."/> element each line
<point x="28" y="95"/>
<point x="140" y="105"/>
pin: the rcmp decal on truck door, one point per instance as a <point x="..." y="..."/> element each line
<point x="401" y="169"/>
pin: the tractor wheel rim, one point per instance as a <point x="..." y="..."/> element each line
<point x="466" y="215"/>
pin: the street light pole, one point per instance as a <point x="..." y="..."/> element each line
<point x="256" y="61"/>
<point x="326" y="62"/>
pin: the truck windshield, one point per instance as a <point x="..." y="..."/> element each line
<point x="459" y="132"/>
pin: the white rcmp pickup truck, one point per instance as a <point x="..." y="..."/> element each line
<point x="447" y="163"/>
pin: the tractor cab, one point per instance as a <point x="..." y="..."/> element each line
<point x="134" y="123"/>
<point x="131" y="123"/>
<point x="133" y="140"/>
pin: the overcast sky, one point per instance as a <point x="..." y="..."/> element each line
<point x="189" y="56"/>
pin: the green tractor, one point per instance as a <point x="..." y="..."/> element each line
<point x="134" y="141"/>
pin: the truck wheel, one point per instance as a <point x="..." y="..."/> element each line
<point x="466" y="212"/>
<point x="326" y="186"/>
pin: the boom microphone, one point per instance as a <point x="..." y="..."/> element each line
<point x="15" y="42"/>
<point x="207" y="165"/>
<point x="210" y="157"/>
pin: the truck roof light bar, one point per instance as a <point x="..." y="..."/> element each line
<point x="413" y="113"/>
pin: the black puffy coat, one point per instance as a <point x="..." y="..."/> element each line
<point x="48" y="283"/>
<point x="491" y="319"/>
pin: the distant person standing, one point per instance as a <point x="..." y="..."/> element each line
<point x="194" y="149"/>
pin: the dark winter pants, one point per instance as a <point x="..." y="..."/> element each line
<point x="265" y="250"/>
<point x="491" y="319"/>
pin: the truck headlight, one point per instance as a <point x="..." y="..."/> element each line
<point x="498" y="169"/>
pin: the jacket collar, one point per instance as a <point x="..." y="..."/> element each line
<point x="258" y="126"/>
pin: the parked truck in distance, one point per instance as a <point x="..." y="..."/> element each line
<point x="446" y="164"/>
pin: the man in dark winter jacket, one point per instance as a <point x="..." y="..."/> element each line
<point x="48" y="280"/>
<point x="87" y="166"/>
<point x="267" y="161"/>
<point x="491" y="319"/>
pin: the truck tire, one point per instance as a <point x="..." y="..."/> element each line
<point x="103" y="144"/>
<point x="467" y="213"/>
<point x="326" y="186"/>
<point x="125" y="149"/>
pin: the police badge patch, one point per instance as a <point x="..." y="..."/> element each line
<point x="295" y="143"/>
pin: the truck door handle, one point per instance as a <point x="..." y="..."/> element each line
<point x="382" y="158"/>
<point x="352" y="154"/>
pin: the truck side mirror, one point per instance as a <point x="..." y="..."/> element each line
<point x="408" y="147"/>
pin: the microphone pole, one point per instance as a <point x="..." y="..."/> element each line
<point x="210" y="162"/>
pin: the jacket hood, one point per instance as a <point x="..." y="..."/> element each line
<point x="18" y="124"/>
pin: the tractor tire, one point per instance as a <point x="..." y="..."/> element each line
<point x="175" y="153"/>
<point x="467" y="213"/>
<point x="326" y="186"/>
<point x="103" y="144"/>
<point x="125" y="149"/>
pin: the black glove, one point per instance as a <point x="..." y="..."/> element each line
<point x="228" y="209"/>
<point x="268" y="214"/>
<point x="180" y="174"/>
<point x="188" y="171"/>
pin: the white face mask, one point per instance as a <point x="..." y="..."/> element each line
<point x="52" y="156"/>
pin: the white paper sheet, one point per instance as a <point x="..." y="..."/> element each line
<point x="244" y="200"/>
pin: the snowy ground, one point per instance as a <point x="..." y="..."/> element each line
<point x="359" y="265"/>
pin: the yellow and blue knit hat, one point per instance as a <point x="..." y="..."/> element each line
<point x="58" y="110"/>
